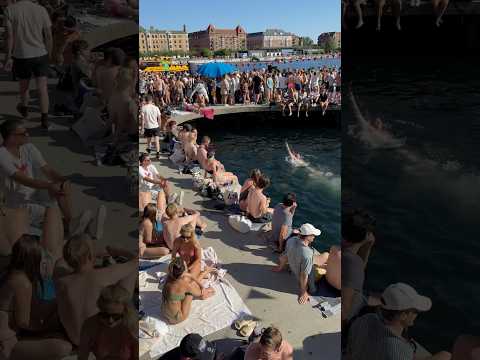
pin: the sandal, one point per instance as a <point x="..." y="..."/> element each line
<point x="238" y="324"/>
<point x="247" y="329"/>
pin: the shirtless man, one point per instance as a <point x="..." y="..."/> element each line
<point x="158" y="86"/>
<point x="106" y="74"/>
<point x="190" y="146"/>
<point x="79" y="283"/>
<point x="202" y="152"/>
<point x="258" y="204"/>
<point x="174" y="222"/>
<point x="123" y="109"/>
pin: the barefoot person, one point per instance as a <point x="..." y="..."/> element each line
<point x="188" y="247"/>
<point x="216" y="168"/>
<point x="258" y="209"/>
<point x="79" y="288"/>
<point x="282" y="220"/>
<point x="301" y="258"/>
<point x="150" y="234"/>
<point x="179" y="291"/>
<point x="247" y="185"/>
<point x="176" y="218"/>
<point x="20" y="287"/>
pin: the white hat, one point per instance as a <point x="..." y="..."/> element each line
<point x="401" y="296"/>
<point x="309" y="229"/>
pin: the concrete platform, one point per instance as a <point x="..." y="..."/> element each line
<point x="271" y="297"/>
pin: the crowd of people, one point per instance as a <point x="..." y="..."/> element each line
<point x="168" y="228"/>
<point x="299" y="89"/>
<point x="61" y="291"/>
<point x="438" y="6"/>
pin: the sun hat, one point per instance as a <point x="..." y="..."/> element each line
<point x="309" y="229"/>
<point x="401" y="296"/>
<point x="197" y="348"/>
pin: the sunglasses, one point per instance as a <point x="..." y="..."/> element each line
<point x="107" y="316"/>
<point x="23" y="133"/>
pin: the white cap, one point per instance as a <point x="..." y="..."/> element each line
<point x="309" y="229"/>
<point x="401" y="296"/>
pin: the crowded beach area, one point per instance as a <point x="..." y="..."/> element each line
<point x="220" y="258"/>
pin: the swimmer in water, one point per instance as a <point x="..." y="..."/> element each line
<point x="295" y="157"/>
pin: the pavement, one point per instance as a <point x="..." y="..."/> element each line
<point x="271" y="297"/>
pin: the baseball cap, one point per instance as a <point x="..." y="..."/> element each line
<point x="309" y="229"/>
<point x="197" y="348"/>
<point x="401" y="296"/>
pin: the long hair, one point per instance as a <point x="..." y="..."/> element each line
<point x="27" y="257"/>
<point x="150" y="212"/>
<point x="117" y="294"/>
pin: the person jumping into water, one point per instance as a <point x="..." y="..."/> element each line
<point x="294" y="157"/>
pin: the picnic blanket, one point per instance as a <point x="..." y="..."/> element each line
<point x="206" y="316"/>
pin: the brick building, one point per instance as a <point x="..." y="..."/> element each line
<point x="154" y="40"/>
<point x="270" y="39"/>
<point x="216" y="39"/>
<point x="324" y="37"/>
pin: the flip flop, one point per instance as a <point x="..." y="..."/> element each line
<point x="238" y="324"/>
<point x="247" y="329"/>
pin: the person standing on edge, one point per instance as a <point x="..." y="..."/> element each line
<point x="29" y="41"/>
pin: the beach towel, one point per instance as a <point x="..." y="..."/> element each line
<point x="206" y="316"/>
<point x="208" y="113"/>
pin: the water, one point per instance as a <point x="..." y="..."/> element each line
<point x="300" y="64"/>
<point x="424" y="194"/>
<point x="242" y="148"/>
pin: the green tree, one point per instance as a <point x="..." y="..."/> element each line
<point x="306" y="41"/>
<point x="330" y="46"/>
<point x="142" y="29"/>
<point x="206" y="52"/>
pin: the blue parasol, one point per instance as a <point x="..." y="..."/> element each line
<point x="216" y="69"/>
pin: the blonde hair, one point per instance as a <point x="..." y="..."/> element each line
<point x="171" y="210"/>
<point x="78" y="250"/>
<point x="188" y="232"/>
<point x="117" y="294"/>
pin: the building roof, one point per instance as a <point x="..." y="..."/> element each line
<point x="272" y="32"/>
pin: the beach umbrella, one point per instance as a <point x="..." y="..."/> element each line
<point x="216" y="69"/>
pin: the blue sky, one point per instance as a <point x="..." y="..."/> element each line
<point x="302" y="17"/>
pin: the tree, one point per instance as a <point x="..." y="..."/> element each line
<point x="206" y="52"/>
<point x="306" y="41"/>
<point x="142" y="29"/>
<point x="330" y="46"/>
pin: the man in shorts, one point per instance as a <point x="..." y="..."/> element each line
<point x="151" y="120"/>
<point x="29" y="42"/>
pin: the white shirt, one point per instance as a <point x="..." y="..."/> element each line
<point x="30" y="163"/>
<point x="28" y="22"/>
<point x="151" y="116"/>
<point x="152" y="173"/>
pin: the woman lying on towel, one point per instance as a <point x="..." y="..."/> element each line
<point x="179" y="291"/>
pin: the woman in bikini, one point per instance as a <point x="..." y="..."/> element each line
<point x="112" y="333"/>
<point x="22" y="335"/>
<point x="151" y="243"/>
<point x="217" y="170"/>
<point x="247" y="185"/>
<point x="179" y="291"/>
<point x="188" y="247"/>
